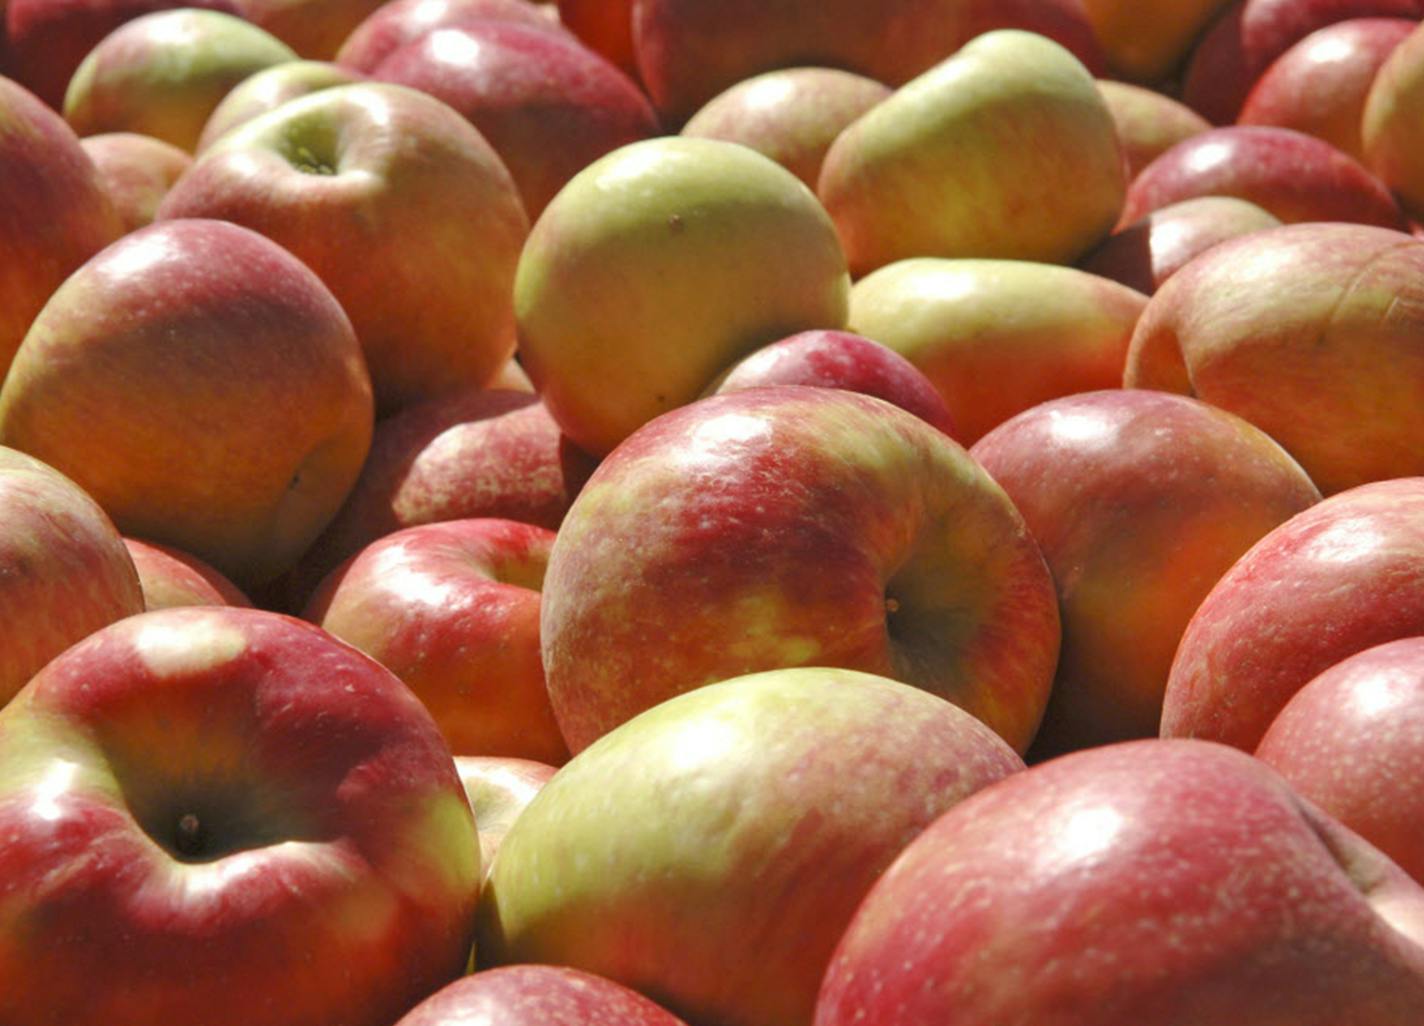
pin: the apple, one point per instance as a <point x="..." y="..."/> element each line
<point x="314" y="29"/>
<point x="499" y="788"/>
<point x="171" y="578"/>
<point x="997" y="337"/>
<point x="270" y="88"/>
<point x="1319" y="86"/>
<point x="452" y="609"/>
<point x="397" y="22"/>
<point x="659" y="266"/>
<point x="941" y="169"/>
<point x="537" y="995"/>
<point x="1146" y="882"/>
<point x="752" y="813"/>
<point x="1148" y="123"/>
<point x="547" y="104"/>
<point x="841" y="359"/>
<point x="1145" y="42"/>
<point x="1140" y="501"/>
<point x="163" y="73"/>
<point x="225" y="794"/>
<point x="1341" y="577"/>
<point x="606" y="27"/>
<point x="791" y="115"/>
<point x="1311" y="332"/>
<point x="136" y="171"/>
<point x="1391" y="111"/>
<point x="204" y="387"/>
<point x="702" y="548"/>
<point x="401" y="208"/>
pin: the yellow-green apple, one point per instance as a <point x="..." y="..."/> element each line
<point x="547" y="104"/>
<point x="1145" y="42"/>
<point x="401" y="208"/>
<point x="1388" y="127"/>
<point x="1148" y="122"/>
<point x="1140" y="501"/>
<point x="791" y="115"/>
<point x="499" y="788"/>
<point x="1352" y="742"/>
<point x="997" y="337"/>
<point x="1313" y="332"/>
<point x="170" y="577"/>
<point x="55" y="211"/>
<point x="941" y="168"/>
<point x="269" y="88"/>
<point x="842" y="359"/>
<point x="606" y="27"/>
<point x="1319" y="86"/>
<point x="537" y="995"/>
<point x="701" y="547"/>
<point x="135" y="171"/>
<point x="1145" y="882"/>
<point x="226" y="816"/>
<point x="314" y="29"/>
<point x="64" y="572"/>
<point x="452" y="609"/>
<point x="163" y="73"/>
<point x="1341" y="577"/>
<point x="658" y="267"/>
<point x="398" y="22"/>
<point x="758" y="810"/>
<point x="1147" y="252"/>
<point x="204" y="387"/>
<point x="1294" y="176"/>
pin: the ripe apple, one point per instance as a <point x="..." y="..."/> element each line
<point x="452" y="609"/>
<point x="656" y="268"/>
<point x="1144" y="42"/>
<point x="1145" y="882"/>
<point x="997" y="337"/>
<point x="224" y="794"/>
<point x="314" y="29"/>
<point x="498" y="789"/>
<point x="170" y="578"/>
<point x="1391" y="112"/>
<point x="755" y="811"/>
<point x="136" y="171"/>
<point x="1341" y="577"/>
<point x="1148" y="122"/>
<point x="940" y="168"/>
<point x="204" y="387"/>
<point x="1140" y="501"/>
<point x="398" y="22"/>
<point x="402" y="210"/>
<point x="701" y="548"/>
<point x="269" y="88"/>
<point x="606" y="27"/>
<point x="537" y="995"/>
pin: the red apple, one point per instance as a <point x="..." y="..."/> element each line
<point x="537" y="995"/>
<point x="136" y="171"/>
<point x="1147" y="882"/>
<point x="270" y="88"/>
<point x="1148" y="122"/>
<point x="606" y="27"/>
<point x="225" y="794"/>
<point x="1388" y="128"/>
<point x="314" y="29"/>
<point x="1145" y="42"/>
<point x="499" y="788"/>
<point x="171" y="578"/>
<point x="398" y="22"/>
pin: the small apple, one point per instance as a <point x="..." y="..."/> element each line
<point x="498" y="789"/>
<point x="136" y="171"/>
<point x="537" y="995"/>
<point x="270" y="88"/>
<point x="170" y="578"/>
<point x="1148" y="122"/>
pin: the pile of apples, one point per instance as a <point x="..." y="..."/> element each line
<point x="712" y="512"/>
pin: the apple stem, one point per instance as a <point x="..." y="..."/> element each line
<point x="190" y="836"/>
<point x="892" y="606"/>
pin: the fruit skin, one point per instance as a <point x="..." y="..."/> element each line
<point x="136" y="172"/>
<point x="331" y="830"/>
<point x="537" y="995"/>
<point x="1148" y="123"/>
<point x="702" y="548"/>
<point x="499" y="787"/>
<point x="1146" y="882"/>
<point x="759" y="807"/>
<point x="398" y="22"/>
<point x="1391" y="111"/>
<point x="1144" y="42"/>
<point x="1352" y="562"/>
<point x="204" y="387"/>
<point x="940" y="170"/>
<point x="269" y="88"/>
<point x="605" y="26"/>
<point x="314" y="29"/>
<point x="170" y="577"/>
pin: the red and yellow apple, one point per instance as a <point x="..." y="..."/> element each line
<point x="170" y="578"/>
<point x="537" y="995"/>
<point x="136" y="172"/>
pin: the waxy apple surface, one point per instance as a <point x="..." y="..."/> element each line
<point x="499" y="788"/>
<point x="398" y="22"/>
<point x="537" y="995"/>
<point x="170" y="577"/>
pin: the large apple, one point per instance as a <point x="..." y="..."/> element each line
<point x="1391" y="113"/>
<point x="270" y="88"/>
<point x="196" y="801"/>
<point x="702" y="548"/>
<point x="941" y="169"/>
<point x="401" y="208"/>
<point x="537" y="995"/>
<point x="659" y="266"/>
<point x="204" y="387"/>
<point x="398" y="22"/>
<point x="1146" y="882"/>
<point x="136" y="172"/>
<point x="748" y="817"/>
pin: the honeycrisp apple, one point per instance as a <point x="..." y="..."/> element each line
<point x="196" y="801"/>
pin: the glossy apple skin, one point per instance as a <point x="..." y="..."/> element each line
<point x="375" y="187"/>
<point x="452" y="609"/>
<point x="398" y="22"/>
<point x="537" y="995"/>
<point x="64" y="572"/>
<point x="1294" y="176"/>
<point x="1391" y="114"/>
<point x="1140" y="501"/>
<point x="171" y="578"/>
<point x="1352" y="741"/>
<point x="1145" y="882"/>
<point x="1311" y="332"/>
<point x="659" y="266"/>
<point x="1144" y="254"/>
<point x="940" y="169"/>
<point x="204" y="387"/>
<point x="759" y="807"/>
<point x="997" y="337"/>
<point x="1319" y="86"/>
<point x="715" y="528"/>
<point x="136" y="171"/>
<point x="269" y="88"/>
<point x="499" y="787"/>
<point x="1145" y="42"/>
<point x="163" y="73"/>
<point x="842" y="359"/>
<point x="791" y="115"/>
<point x="606" y="27"/>
<point x="314" y="29"/>
<point x="1148" y="122"/>
<point x="1241" y="44"/>
<point x="331" y="829"/>
<point x="1351" y="562"/>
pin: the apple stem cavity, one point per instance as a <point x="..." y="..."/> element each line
<point x="190" y="837"/>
